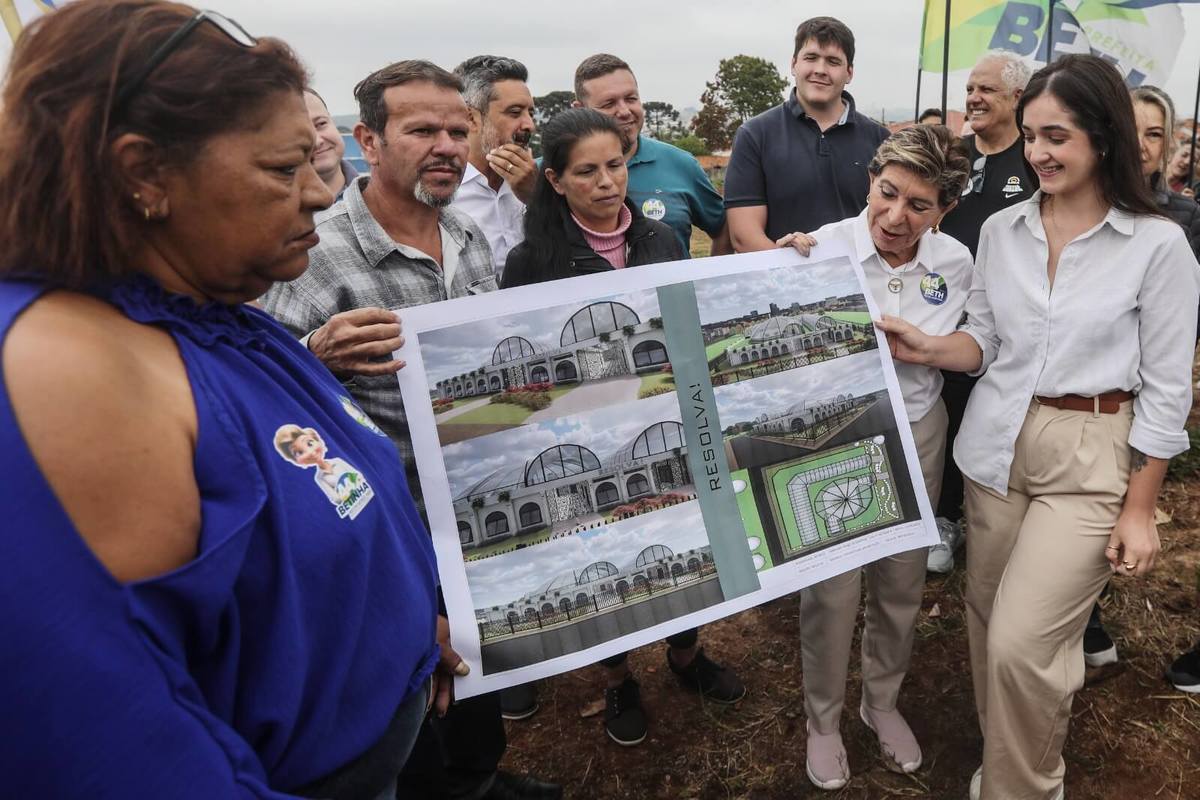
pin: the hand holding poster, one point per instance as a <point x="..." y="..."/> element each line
<point x="643" y="451"/>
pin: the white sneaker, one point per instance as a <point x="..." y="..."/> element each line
<point x="896" y="740"/>
<point x="977" y="786"/>
<point x="825" y="760"/>
<point x="941" y="555"/>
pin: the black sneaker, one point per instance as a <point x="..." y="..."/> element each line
<point x="1184" y="673"/>
<point x="623" y="716"/>
<point x="1098" y="647"/>
<point x="519" y="702"/>
<point x="508" y="786"/>
<point x="709" y="679"/>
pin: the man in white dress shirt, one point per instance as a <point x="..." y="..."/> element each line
<point x="501" y="171"/>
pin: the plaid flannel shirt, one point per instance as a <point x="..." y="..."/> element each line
<point x="357" y="265"/>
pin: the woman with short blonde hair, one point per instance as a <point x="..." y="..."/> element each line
<point x="922" y="276"/>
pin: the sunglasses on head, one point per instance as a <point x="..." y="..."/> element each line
<point x="223" y="23"/>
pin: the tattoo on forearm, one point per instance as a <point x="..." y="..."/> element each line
<point x="1139" y="459"/>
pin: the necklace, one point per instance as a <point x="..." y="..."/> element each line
<point x="895" y="284"/>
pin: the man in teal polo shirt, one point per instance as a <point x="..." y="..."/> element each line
<point x="666" y="183"/>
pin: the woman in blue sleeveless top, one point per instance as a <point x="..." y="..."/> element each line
<point x="216" y="582"/>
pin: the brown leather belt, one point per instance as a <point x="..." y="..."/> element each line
<point x="1107" y="403"/>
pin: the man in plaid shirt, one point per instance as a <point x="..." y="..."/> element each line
<point x="392" y="241"/>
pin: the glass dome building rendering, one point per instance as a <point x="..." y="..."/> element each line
<point x="567" y="482"/>
<point x="789" y="334"/>
<point x="602" y="339"/>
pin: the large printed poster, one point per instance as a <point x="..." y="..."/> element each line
<point x="610" y="459"/>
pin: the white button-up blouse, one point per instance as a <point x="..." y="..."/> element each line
<point x="1121" y="315"/>
<point x="933" y="305"/>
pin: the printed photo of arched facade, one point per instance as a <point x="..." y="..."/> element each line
<point x="815" y="457"/>
<point x="582" y="590"/>
<point x="522" y="369"/>
<point x="767" y="321"/>
<point x="553" y="479"/>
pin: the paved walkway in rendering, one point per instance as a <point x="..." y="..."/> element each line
<point x="589" y="396"/>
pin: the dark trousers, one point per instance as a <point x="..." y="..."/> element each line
<point x="680" y="641"/>
<point x="455" y="757"/>
<point x="955" y="391"/>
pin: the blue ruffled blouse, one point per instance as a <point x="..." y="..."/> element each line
<point x="281" y="652"/>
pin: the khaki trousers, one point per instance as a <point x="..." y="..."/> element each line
<point x="828" y="611"/>
<point x="1035" y="566"/>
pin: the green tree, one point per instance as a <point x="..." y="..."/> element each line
<point x="551" y="104"/>
<point x="662" y="120"/>
<point x="712" y="122"/>
<point x="693" y="144"/>
<point x="546" y="108"/>
<point x="743" y="87"/>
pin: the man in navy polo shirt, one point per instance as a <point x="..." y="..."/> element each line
<point x="803" y="163"/>
<point x="665" y="182"/>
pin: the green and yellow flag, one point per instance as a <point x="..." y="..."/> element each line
<point x="16" y="13"/>
<point x="972" y="25"/>
<point x="1141" y="37"/>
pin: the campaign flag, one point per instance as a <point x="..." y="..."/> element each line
<point x="16" y="14"/>
<point x="1140" y="37"/>
<point x="972" y="26"/>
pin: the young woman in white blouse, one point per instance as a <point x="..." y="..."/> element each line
<point x="917" y="176"/>
<point x="1081" y="313"/>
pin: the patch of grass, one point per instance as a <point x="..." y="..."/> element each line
<point x="493" y="414"/>
<point x="525" y="540"/>
<point x="656" y="383"/>
<point x="701" y="244"/>
<point x="717" y="348"/>
<point x="861" y="317"/>
<point x="444" y="407"/>
<point x="503" y="413"/>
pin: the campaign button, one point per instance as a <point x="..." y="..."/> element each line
<point x="933" y="289"/>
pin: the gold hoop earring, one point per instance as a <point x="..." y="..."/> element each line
<point x="146" y="211"/>
<point x="937" y="227"/>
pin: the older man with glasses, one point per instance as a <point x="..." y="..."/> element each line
<point x="999" y="178"/>
<point x="999" y="174"/>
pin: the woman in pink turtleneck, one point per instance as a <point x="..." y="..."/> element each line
<point x="578" y="221"/>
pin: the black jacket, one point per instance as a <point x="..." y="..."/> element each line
<point x="1186" y="212"/>
<point x="649" y="241"/>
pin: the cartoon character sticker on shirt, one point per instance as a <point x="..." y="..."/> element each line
<point x="653" y="208"/>
<point x="933" y="289"/>
<point x="359" y="416"/>
<point x="343" y="485"/>
<point x="1012" y="187"/>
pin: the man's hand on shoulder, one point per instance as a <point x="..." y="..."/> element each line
<point x="354" y="342"/>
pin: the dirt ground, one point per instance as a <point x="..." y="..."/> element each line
<point x="1132" y="735"/>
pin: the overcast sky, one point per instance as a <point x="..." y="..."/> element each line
<point x="452" y="351"/>
<point x="504" y="578"/>
<point x="857" y="375"/>
<point x="604" y="432"/>
<point x="735" y="295"/>
<point x="673" y="46"/>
